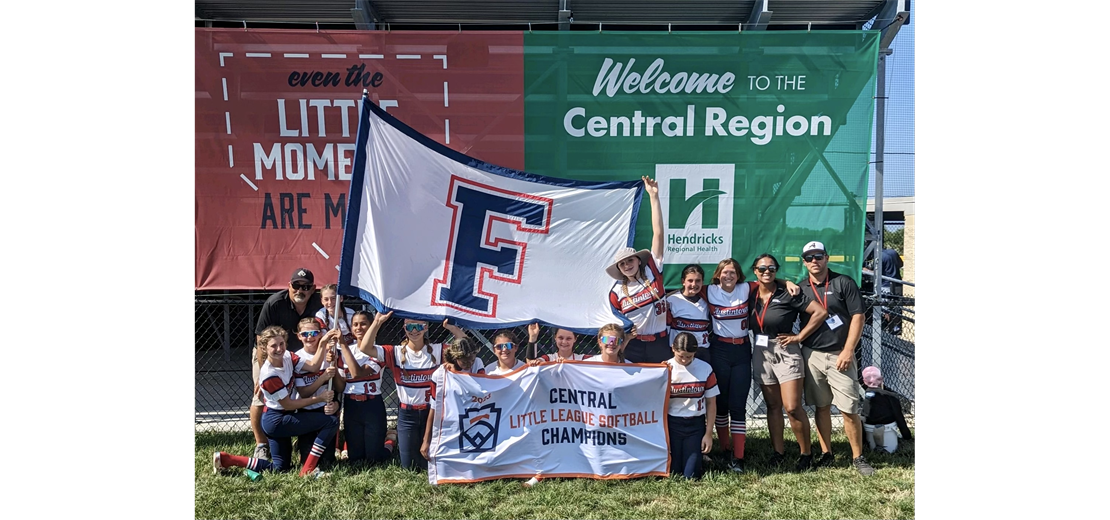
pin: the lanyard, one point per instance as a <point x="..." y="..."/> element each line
<point x="824" y="303"/>
<point x="759" y="317"/>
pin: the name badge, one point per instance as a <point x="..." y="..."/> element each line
<point x="760" y="340"/>
<point x="833" y="322"/>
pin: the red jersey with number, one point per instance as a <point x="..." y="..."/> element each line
<point x="369" y="382"/>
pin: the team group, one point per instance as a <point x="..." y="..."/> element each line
<point x="716" y="337"/>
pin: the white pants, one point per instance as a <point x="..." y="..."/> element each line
<point x="883" y="435"/>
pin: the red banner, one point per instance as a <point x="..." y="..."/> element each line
<point x="276" y="120"/>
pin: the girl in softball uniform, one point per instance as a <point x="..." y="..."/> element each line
<point x="687" y="310"/>
<point x="315" y="383"/>
<point x="693" y="397"/>
<point x="564" y="346"/>
<point x="326" y="315"/>
<point x="279" y="420"/>
<point x="411" y="363"/>
<point x="638" y="292"/>
<point x="364" y="409"/>
<point x="459" y="356"/>
<point x="610" y="337"/>
<point x="505" y="348"/>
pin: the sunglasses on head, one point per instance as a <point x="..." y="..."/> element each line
<point x="810" y="258"/>
<point x="765" y="268"/>
<point x="610" y="340"/>
<point x="504" y="346"/>
<point x="309" y="333"/>
<point x="303" y="286"/>
<point x="414" y="327"/>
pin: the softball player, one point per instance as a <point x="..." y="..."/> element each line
<point x="279" y="420"/>
<point x="364" y="410"/>
<point x="687" y="310"/>
<point x="693" y="397"/>
<point x="505" y="348"/>
<point x="460" y="356"/>
<point x="314" y="383"/>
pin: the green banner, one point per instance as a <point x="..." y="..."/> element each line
<point x="760" y="140"/>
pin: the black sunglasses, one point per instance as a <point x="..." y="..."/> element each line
<point x="765" y="268"/>
<point x="810" y="258"/>
<point x="303" y="286"/>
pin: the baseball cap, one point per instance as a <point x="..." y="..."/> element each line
<point x="813" y="246"/>
<point x="872" y="377"/>
<point x="302" y="275"/>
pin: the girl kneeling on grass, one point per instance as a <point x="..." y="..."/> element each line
<point x="279" y="421"/>
<point x="693" y="397"/>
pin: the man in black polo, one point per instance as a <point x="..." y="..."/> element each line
<point x="829" y="355"/>
<point x="284" y="308"/>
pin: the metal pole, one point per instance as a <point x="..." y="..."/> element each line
<point x="227" y="329"/>
<point x="880" y="144"/>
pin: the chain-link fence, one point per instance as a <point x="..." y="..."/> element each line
<point x="225" y="323"/>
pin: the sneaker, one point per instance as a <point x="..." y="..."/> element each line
<point x="262" y="451"/>
<point x="217" y="468"/>
<point x="805" y="463"/>
<point x="316" y="474"/>
<point x="776" y="460"/>
<point x="862" y="465"/>
<point x="736" y="466"/>
<point x="825" y="461"/>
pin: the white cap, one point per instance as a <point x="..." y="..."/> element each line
<point x="813" y="246"/>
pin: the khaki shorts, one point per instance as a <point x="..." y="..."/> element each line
<point x="255" y="370"/>
<point x="773" y="365"/>
<point x="826" y="385"/>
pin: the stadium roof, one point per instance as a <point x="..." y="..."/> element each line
<point x="548" y="14"/>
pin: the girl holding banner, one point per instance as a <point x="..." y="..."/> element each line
<point x="693" y="397"/>
<point x="411" y="363"/>
<point x="777" y="355"/>
<point x="610" y="337"/>
<point x="505" y="347"/>
<point x="564" y="349"/>
<point x="638" y="292"/>
<point x="460" y="356"/>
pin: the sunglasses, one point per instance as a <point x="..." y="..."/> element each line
<point x="308" y="333"/>
<point x="303" y="286"/>
<point x="414" y="327"/>
<point x="610" y="340"/>
<point x="504" y="346"/>
<point x="765" y="268"/>
<point x="810" y="258"/>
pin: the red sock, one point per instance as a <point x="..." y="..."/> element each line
<point x="389" y="445"/>
<point x="228" y="460"/>
<point x="722" y="437"/>
<point x="738" y="440"/>
<point x="312" y="460"/>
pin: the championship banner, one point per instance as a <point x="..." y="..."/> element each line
<point x="569" y="419"/>
<point x="431" y="233"/>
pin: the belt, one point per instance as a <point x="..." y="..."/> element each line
<point x="414" y="406"/>
<point x="282" y="412"/>
<point x="320" y="409"/>
<point x="360" y="397"/>
<point x="734" y="341"/>
<point x="651" y="337"/>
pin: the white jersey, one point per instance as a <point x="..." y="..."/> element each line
<point x="413" y="376"/>
<point x="303" y="379"/>
<point x="643" y="305"/>
<point x="555" y="357"/>
<point x="684" y="315"/>
<point x="690" y="387"/>
<point x="729" y="310"/>
<point x="370" y="382"/>
<point x="277" y="383"/>
<point x="493" y="369"/>
<point x="329" y="321"/>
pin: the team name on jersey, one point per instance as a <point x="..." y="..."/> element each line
<point x="690" y="325"/>
<point x="416" y="378"/>
<point x="729" y="313"/>
<point x="687" y="390"/>
<point x="637" y="300"/>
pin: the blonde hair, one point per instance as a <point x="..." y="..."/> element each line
<point x="269" y="333"/>
<point x="460" y="349"/>
<point x="618" y="331"/>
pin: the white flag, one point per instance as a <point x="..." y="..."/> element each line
<point x="432" y="233"/>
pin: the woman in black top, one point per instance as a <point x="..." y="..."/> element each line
<point x="777" y="355"/>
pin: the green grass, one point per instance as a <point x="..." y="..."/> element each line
<point x="390" y="492"/>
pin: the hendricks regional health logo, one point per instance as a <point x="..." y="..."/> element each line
<point x="697" y="204"/>
<point x="479" y="427"/>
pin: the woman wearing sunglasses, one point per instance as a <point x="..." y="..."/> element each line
<point x="364" y="422"/>
<point x="610" y="337"/>
<point x="505" y="347"/>
<point x="638" y="292"/>
<point x="279" y="420"/>
<point x="411" y="363"/>
<point x="777" y="355"/>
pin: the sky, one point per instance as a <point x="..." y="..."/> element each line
<point x="898" y="167"/>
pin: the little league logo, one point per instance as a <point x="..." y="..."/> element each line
<point x="479" y="428"/>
